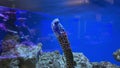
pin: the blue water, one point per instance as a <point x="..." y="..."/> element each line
<point x="94" y="33"/>
<point x="97" y="40"/>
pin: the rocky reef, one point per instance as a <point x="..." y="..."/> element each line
<point x="20" y="56"/>
<point x="103" y="64"/>
<point x="48" y="60"/>
<point x="55" y="60"/>
<point x="29" y="55"/>
<point x="116" y="55"/>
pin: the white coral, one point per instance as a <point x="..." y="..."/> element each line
<point x="28" y="51"/>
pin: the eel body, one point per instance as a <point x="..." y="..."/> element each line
<point x="63" y="40"/>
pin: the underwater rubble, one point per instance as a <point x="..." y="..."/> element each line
<point x="116" y="55"/>
<point x="55" y="60"/>
<point x="21" y="56"/>
<point x="103" y="64"/>
<point x="26" y="58"/>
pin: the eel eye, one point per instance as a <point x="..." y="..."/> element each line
<point x="56" y="23"/>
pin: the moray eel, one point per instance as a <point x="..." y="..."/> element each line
<point x="63" y="40"/>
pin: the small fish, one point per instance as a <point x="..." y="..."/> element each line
<point x="15" y="32"/>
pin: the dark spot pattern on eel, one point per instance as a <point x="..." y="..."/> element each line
<point x="63" y="40"/>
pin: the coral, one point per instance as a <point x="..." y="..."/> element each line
<point x="81" y="61"/>
<point x="17" y="62"/>
<point x="12" y="37"/>
<point x="28" y="52"/>
<point x="63" y="40"/>
<point x="103" y="64"/>
<point x="117" y="55"/>
<point x="50" y="60"/>
<point x="8" y="47"/>
<point x="55" y="60"/>
<point x="21" y="56"/>
<point x="14" y="63"/>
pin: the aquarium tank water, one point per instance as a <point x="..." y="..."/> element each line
<point x="62" y="38"/>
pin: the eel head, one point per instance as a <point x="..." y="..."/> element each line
<point x="57" y="27"/>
